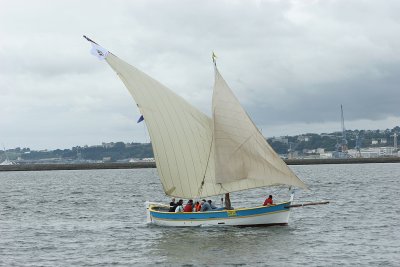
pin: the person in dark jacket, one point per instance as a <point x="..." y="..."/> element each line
<point x="172" y="205"/>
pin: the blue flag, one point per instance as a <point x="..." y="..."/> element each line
<point x="140" y="119"/>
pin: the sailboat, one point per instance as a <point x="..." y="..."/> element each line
<point x="6" y="161"/>
<point x="198" y="156"/>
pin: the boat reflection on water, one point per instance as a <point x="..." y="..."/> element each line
<point x="218" y="246"/>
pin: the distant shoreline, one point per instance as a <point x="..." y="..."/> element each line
<point x="342" y="161"/>
<point x="140" y="165"/>
<point x="76" y="166"/>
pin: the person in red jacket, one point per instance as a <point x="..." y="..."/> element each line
<point x="189" y="206"/>
<point x="268" y="201"/>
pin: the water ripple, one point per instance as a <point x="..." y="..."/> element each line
<point x="96" y="218"/>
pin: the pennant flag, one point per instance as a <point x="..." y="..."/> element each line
<point x="140" y="119"/>
<point x="98" y="51"/>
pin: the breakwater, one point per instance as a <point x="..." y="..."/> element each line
<point x="138" y="165"/>
<point x="76" y="166"/>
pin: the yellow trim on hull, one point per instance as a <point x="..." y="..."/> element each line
<point x="258" y="207"/>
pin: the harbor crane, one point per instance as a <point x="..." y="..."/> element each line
<point x="359" y="140"/>
<point x="395" y="141"/>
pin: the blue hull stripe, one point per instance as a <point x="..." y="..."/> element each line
<point x="220" y="214"/>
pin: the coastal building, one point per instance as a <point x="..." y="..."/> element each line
<point x="281" y="139"/>
<point x="106" y="159"/>
<point x="303" y="138"/>
<point x="108" y="145"/>
<point x="326" y="155"/>
<point x="374" y="152"/>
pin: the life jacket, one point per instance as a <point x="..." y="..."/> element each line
<point x="197" y="207"/>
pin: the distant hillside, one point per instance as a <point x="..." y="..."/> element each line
<point x="107" y="151"/>
<point x="122" y="151"/>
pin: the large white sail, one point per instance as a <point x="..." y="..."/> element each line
<point x="181" y="135"/>
<point x="243" y="158"/>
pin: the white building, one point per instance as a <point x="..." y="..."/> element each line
<point x="327" y="155"/>
<point x="374" y="152"/>
<point x="280" y="139"/>
<point x="108" y="145"/>
<point x="303" y="138"/>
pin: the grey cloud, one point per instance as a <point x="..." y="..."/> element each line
<point x="290" y="63"/>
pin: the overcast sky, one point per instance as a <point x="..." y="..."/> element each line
<point x="290" y="63"/>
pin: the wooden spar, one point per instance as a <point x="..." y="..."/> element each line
<point x="90" y="40"/>
<point x="306" y="204"/>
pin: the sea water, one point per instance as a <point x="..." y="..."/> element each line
<point x="97" y="218"/>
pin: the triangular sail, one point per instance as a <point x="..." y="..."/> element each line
<point x="181" y="135"/>
<point x="243" y="158"/>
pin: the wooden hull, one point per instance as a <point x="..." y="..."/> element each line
<point x="258" y="216"/>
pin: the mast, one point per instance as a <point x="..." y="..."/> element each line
<point x="358" y="144"/>
<point x="344" y="140"/>
<point x="394" y="140"/>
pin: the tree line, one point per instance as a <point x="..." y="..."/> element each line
<point x="120" y="150"/>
